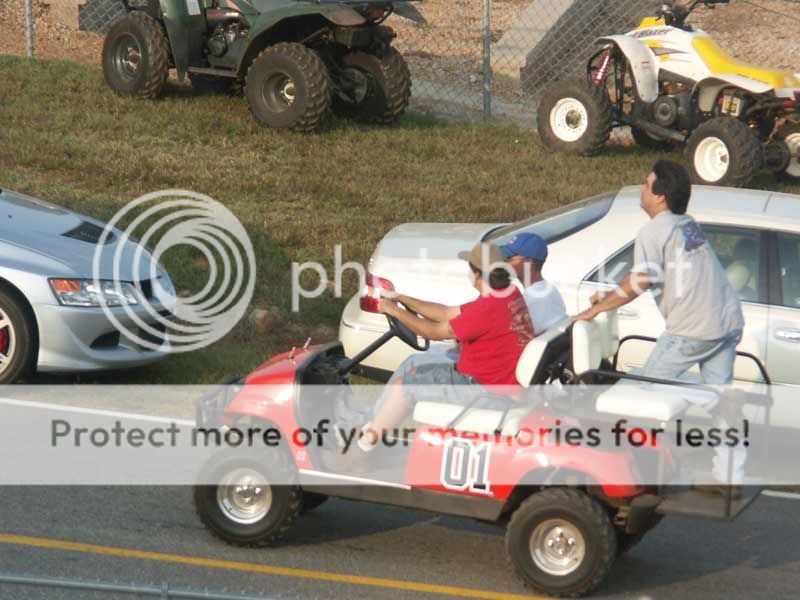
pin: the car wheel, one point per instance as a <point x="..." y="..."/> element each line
<point x="17" y="339"/>
<point x="250" y="503"/>
<point x="561" y="542"/>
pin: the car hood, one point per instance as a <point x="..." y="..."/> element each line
<point x="54" y="241"/>
<point x="413" y="255"/>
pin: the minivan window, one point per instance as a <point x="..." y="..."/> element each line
<point x="557" y="224"/>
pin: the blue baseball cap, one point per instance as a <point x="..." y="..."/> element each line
<point x="526" y="244"/>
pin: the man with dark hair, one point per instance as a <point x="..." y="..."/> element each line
<point x="672" y="182"/>
<point x="492" y="332"/>
<point x="703" y="316"/>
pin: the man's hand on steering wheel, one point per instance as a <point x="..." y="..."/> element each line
<point x="391" y="309"/>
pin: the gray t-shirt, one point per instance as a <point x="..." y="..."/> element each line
<point x="687" y="280"/>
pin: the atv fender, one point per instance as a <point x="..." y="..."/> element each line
<point x="186" y="25"/>
<point x="343" y="16"/>
<point x="642" y="62"/>
<point x="708" y="89"/>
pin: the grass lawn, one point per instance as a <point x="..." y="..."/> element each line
<point x="65" y="137"/>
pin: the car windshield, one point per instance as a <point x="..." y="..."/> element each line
<point x="557" y="224"/>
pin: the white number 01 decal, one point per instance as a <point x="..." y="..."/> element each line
<point x="465" y="466"/>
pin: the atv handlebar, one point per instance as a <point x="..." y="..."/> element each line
<point x="676" y="14"/>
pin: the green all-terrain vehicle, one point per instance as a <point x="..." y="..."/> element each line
<point x="296" y="59"/>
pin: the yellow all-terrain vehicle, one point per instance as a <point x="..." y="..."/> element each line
<point x="673" y="84"/>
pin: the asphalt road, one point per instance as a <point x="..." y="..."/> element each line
<point x="361" y="551"/>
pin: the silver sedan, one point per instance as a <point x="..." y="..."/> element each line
<point x="51" y="307"/>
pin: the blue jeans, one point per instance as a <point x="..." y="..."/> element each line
<point x="674" y="355"/>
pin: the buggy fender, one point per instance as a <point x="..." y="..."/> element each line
<point x="642" y="62"/>
<point x="708" y="89"/>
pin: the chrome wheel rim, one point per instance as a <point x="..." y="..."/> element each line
<point x="127" y="56"/>
<point x="569" y="119"/>
<point x="244" y="496"/>
<point x="557" y="547"/>
<point x="8" y="340"/>
<point x="712" y="159"/>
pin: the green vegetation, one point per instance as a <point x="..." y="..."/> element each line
<point x="66" y="138"/>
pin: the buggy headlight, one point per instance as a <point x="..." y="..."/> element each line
<point x="84" y="292"/>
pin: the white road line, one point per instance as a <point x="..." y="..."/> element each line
<point x="784" y="495"/>
<point x="94" y="411"/>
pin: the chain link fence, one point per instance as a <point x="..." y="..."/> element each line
<point x="481" y="59"/>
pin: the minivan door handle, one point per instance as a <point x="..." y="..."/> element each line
<point x="788" y="335"/>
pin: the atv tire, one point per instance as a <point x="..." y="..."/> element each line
<point x="17" y="338"/>
<point x="645" y="140"/>
<point x="136" y="56"/>
<point x="381" y="87"/>
<point x="574" y="117"/>
<point x="789" y="133"/>
<point x="288" y="87"/>
<point x="262" y="513"/>
<point x="724" y="151"/>
<point x="578" y="526"/>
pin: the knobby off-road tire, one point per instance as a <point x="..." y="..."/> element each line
<point x="17" y="339"/>
<point x="288" y="87"/>
<point x="574" y="117"/>
<point x="574" y="523"/>
<point x="249" y="510"/>
<point x="384" y="87"/>
<point x="724" y="151"/>
<point x="790" y="133"/>
<point x="136" y="56"/>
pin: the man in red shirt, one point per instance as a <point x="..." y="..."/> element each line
<point x="492" y="331"/>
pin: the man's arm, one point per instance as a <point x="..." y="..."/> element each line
<point x="430" y="310"/>
<point x="423" y="327"/>
<point x="633" y="286"/>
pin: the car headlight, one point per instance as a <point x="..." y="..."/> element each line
<point x="84" y="292"/>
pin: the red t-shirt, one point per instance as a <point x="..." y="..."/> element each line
<point x="493" y="332"/>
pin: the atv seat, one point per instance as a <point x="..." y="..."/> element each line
<point x="533" y="368"/>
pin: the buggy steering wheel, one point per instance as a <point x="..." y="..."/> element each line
<point x="405" y="334"/>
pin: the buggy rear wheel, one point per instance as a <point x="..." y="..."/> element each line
<point x="575" y="117"/>
<point x="136" y="56"/>
<point x="561" y="542"/>
<point x="288" y="87"/>
<point x="373" y="88"/>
